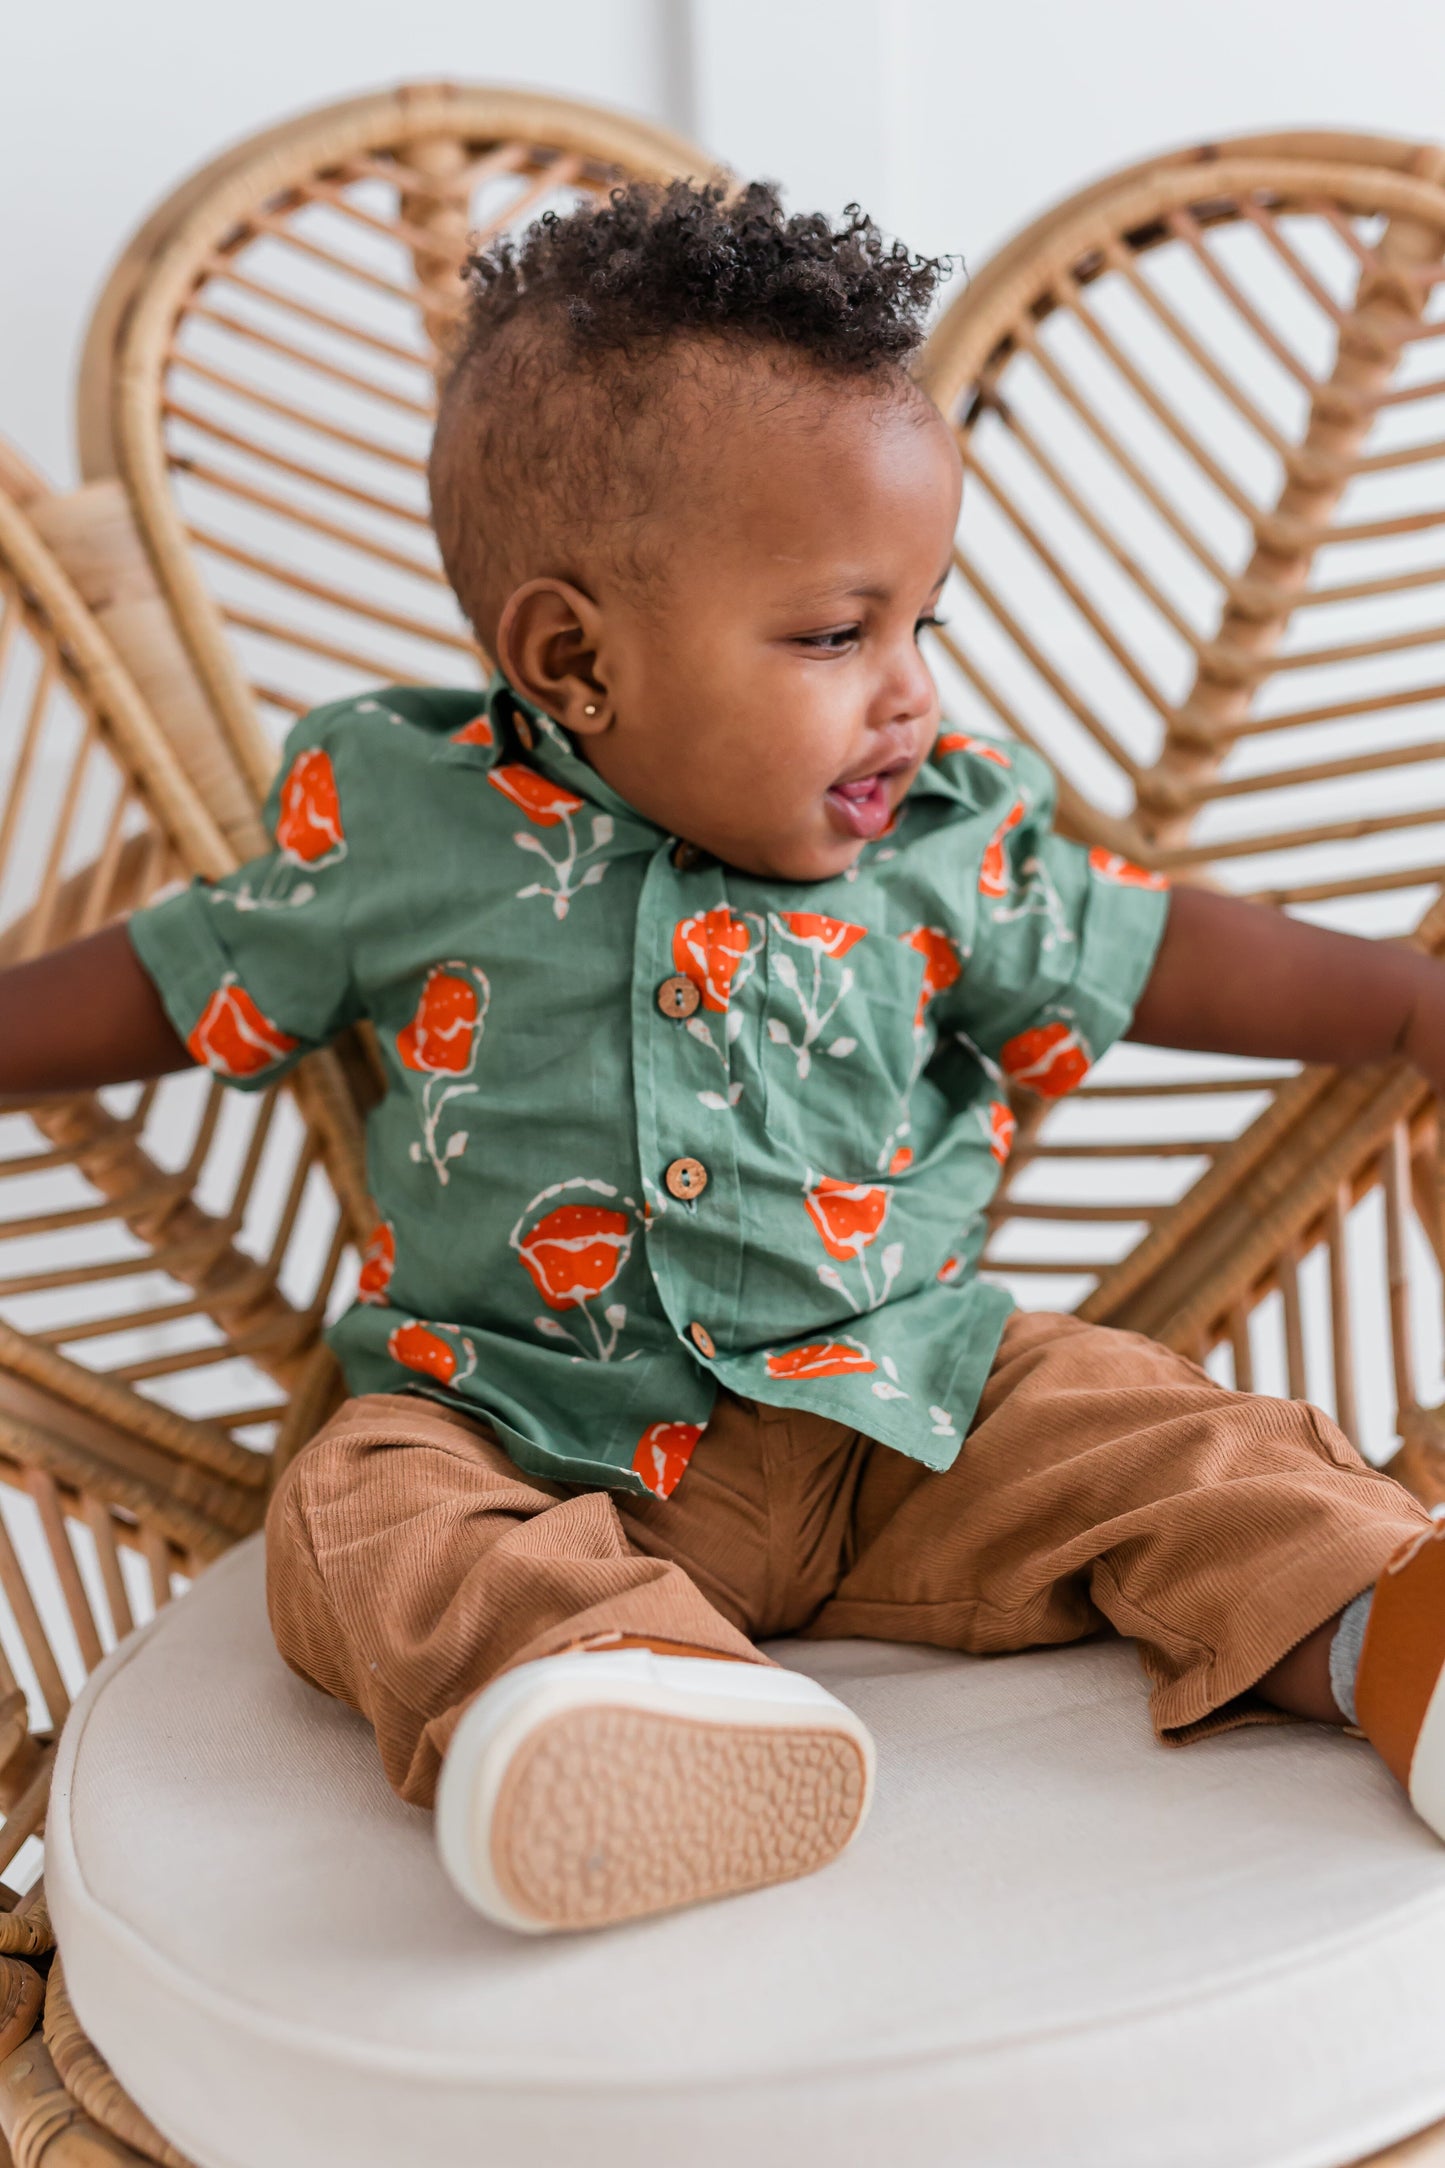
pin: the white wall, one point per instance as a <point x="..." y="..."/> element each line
<point x="103" y="108"/>
<point x="952" y="120"/>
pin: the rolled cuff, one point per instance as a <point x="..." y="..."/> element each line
<point x="226" y="1025"/>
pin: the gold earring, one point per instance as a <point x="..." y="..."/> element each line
<point x="591" y="708"/>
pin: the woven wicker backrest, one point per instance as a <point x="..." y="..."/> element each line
<point x="165" y="1256"/>
<point x="166" y="1253"/>
<point x="1195" y="558"/>
<point x="127" y="1457"/>
<point x="1200" y="565"/>
<point x="261" y="373"/>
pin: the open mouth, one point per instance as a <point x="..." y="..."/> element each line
<point x="863" y="805"/>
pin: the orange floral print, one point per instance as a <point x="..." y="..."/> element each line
<point x="440" y="1044"/>
<point x="837" y="1359"/>
<point x="663" y="1452"/>
<point x="820" y="938"/>
<point x="993" y="870"/>
<point x="545" y="804"/>
<point x="942" y="965"/>
<point x="378" y="1263"/>
<point x="548" y="805"/>
<point x="902" y="1160"/>
<point x="847" y="1215"/>
<point x="834" y="936"/>
<point x="950" y="1270"/>
<point x="708" y="949"/>
<point x="1110" y="866"/>
<point x="820" y="1359"/>
<point x="441" y="1037"/>
<point x="573" y="1254"/>
<point x="477" y="732"/>
<point x="421" y="1347"/>
<point x="576" y="1252"/>
<point x="1050" y="1058"/>
<point x="958" y="741"/>
<point x="308" y="827"/>
<point x="1001" y="1125"/>
<point x="233" y="1037"/>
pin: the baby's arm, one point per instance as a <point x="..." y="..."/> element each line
<point x="1239" y="978"/>
<point x="83" y="1015"/>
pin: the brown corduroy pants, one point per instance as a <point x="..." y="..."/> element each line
<point x="1105" y="1483"/>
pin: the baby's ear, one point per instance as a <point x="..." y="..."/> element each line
<point x="548" y="638"/>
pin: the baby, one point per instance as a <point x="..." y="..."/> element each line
<point x="702" y="960"/>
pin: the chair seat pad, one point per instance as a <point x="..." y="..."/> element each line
<point x="1054" y="1940"/>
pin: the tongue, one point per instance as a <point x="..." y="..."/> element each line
<point x="862" y="808"/>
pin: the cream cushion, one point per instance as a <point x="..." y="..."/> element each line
<point x="1054" y="1942"/>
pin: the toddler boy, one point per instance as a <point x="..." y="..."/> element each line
<point x="701" y="961"/>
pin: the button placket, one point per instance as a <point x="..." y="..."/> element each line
<point x="673" y="1072"/>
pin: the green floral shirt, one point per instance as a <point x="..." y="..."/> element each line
<point x="655" y="1126"/>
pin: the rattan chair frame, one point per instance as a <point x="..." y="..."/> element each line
<point x="132" y="335"/>
<point x="80" y="1130"/>
<point x="87" y="1451"/>
<point x="1286" y="1185"/>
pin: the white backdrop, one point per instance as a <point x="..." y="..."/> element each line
<point x="951" y="120"/>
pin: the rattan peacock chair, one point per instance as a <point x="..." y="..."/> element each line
<point x="1200" y="408"/>
<point x="1175" y="394"/>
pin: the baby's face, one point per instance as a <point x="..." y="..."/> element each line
<point x="766" y="698"/>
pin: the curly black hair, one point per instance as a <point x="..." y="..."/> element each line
<point x="552" y="417"/>
<point x="659" y="263"/>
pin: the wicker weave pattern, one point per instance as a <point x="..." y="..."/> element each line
<point x="142" y="1261"/>
<point x="1201" y="411"/>
<point x="267" y="392"/>
<point x="269" y="346"/>
<point x="147" y="1347"/>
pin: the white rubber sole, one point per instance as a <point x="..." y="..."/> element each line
<point x="590" y="1788"/>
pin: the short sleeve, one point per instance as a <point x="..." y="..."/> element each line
<point x="255" y="969"/>
<point x="1065" y="940"/>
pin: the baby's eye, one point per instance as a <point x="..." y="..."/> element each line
<point x="834" y="642"/>
<point x="930" y="619"/>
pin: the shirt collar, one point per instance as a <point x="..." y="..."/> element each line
<point x="521" y="731"/>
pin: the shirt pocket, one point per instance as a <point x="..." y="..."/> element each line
<point x="844" y="1037"/>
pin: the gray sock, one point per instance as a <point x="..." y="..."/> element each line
<point x="1345" y="1653"/>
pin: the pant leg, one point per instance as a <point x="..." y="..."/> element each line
<point x="1107" y="1479"/>
<point x="408" y="1562"/>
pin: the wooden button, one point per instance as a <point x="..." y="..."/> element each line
<point x="686" y="1178"/>
<point x="526" y="735"/>
<point x="702" y="1340"/>
<point x="678" y="996"/>
<point x="687" y="857"/>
